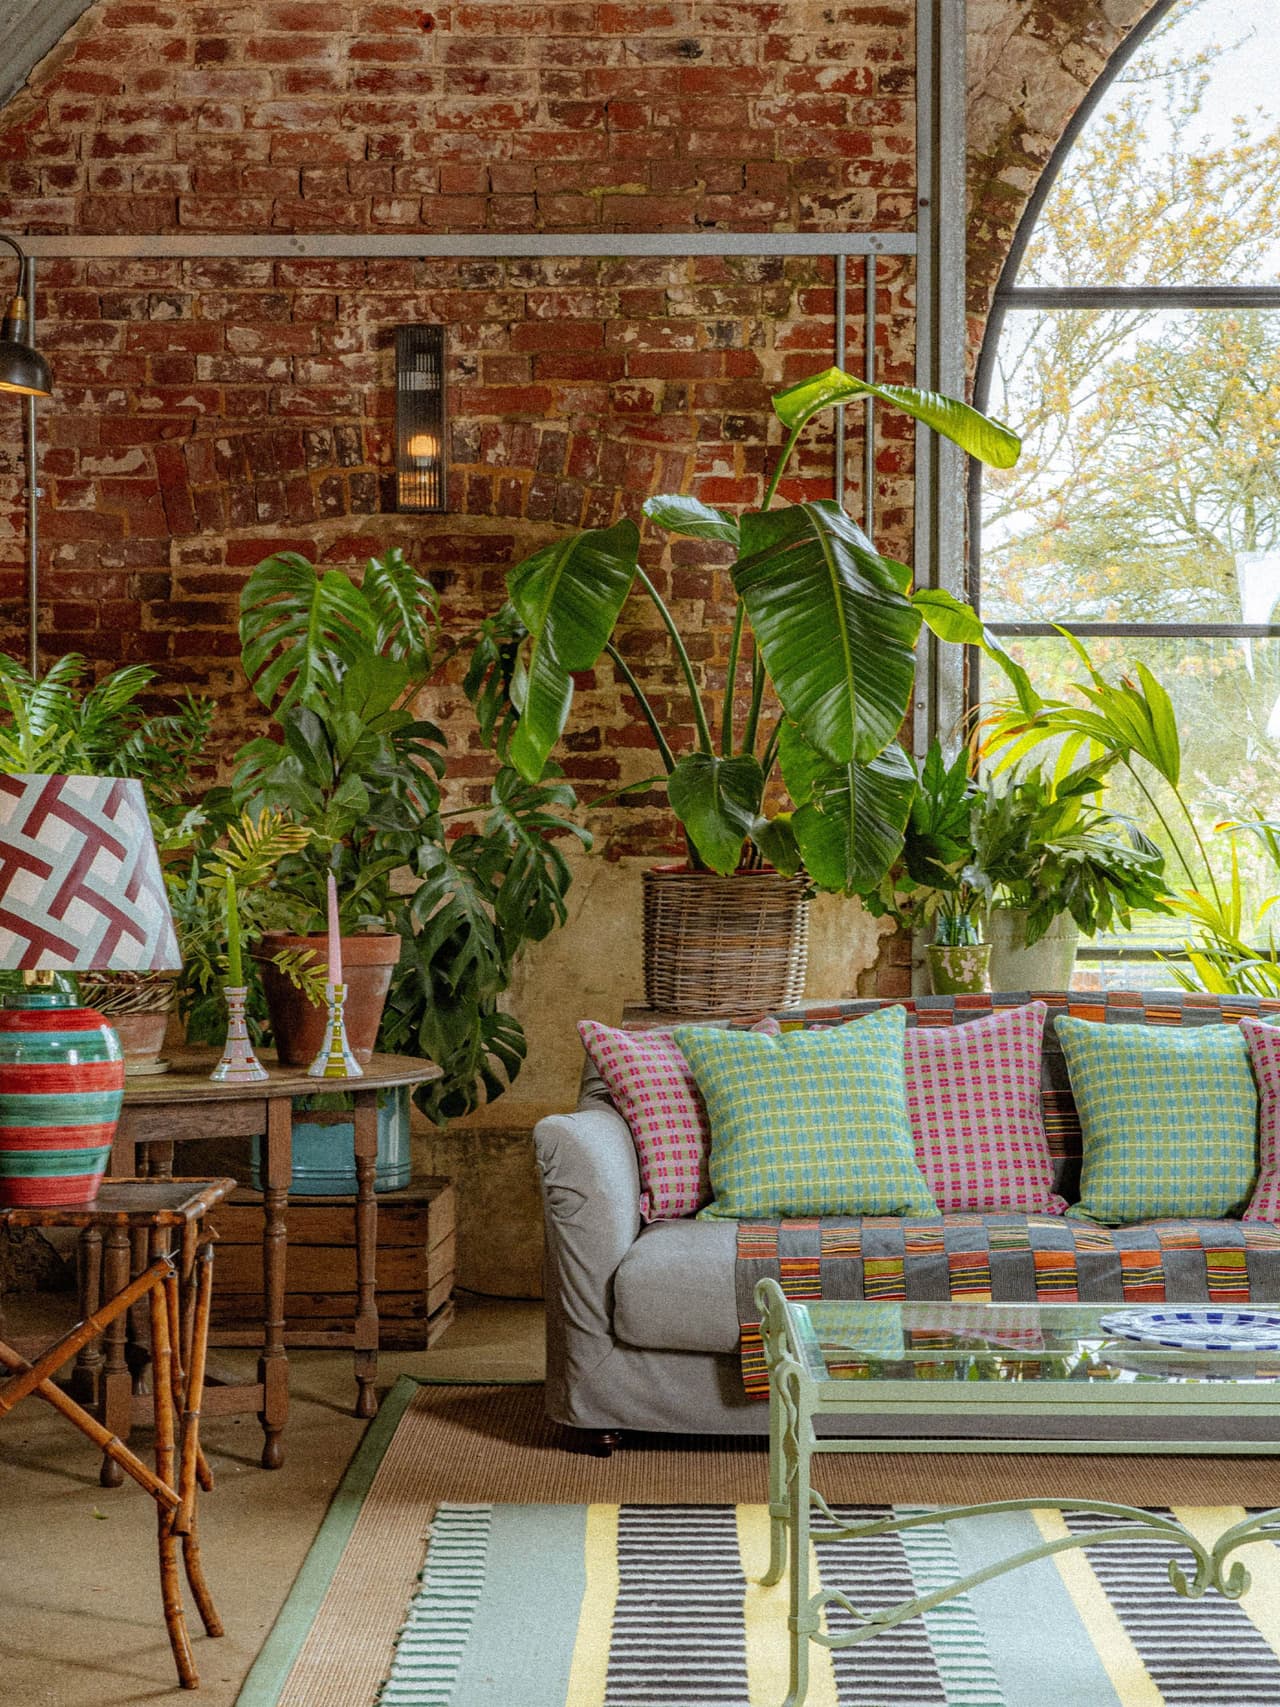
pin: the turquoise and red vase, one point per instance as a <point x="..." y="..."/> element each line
<point x="61" y="1083"/>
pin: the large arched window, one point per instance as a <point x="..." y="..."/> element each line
<point x="1136" y="346"/>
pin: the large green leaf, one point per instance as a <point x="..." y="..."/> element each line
<point x="300" y="630"/>
<point x="960" y="625"/>
<point x="405" y="608"/>
<point x="849" y="819"/>
<point x="717" y="801"/>
<point x="691" y="517"/>
<point x="569" y="596"/>
<point x="990" y="441"/>
<point x="836" y="634"/>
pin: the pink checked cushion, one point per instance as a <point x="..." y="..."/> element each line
<point x="973" y="1099"/>
<point x="654" y="1092"/>
<point x="1264" y="1053"/>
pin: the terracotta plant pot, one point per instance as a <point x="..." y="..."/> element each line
<point x="139" y="1005"/>
<point x="297" y="1025"/>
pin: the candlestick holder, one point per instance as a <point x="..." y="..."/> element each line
<point x="335" y="1060"/>
<point x="239" y="1065"/>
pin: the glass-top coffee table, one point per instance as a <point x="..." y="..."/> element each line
<point x="973" y="1361"/>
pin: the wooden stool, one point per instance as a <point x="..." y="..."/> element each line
<point x="155" y="1210"/>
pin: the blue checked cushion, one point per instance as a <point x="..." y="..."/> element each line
<point x="1169" y="1120"/>
<point x="808" y="1123"/>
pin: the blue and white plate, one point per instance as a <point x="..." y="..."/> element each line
<point x="1203" y="1328"/>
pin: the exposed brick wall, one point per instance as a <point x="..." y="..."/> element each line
<point x="210" y="411"/>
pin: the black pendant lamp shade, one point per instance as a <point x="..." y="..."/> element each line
<point x="22" y="369"/>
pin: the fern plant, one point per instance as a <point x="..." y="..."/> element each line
<point x="338" y="666"/>
<point x="250" y="848"/>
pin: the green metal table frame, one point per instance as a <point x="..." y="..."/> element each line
<point x="798" y="1394"/>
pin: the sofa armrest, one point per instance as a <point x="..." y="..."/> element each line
<point x="591" y="1199"/>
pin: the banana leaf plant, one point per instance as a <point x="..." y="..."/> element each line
<point x="338" y="664"/>
<point x="823" y="619"/>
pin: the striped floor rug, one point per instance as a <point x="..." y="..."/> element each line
<point x="635" y="1605"/>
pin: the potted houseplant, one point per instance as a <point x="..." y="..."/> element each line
<point x="338" y="664"/>
<point x="55" y="722"/>
<point x="936" y="882"/>
<point x="823" y="620"/>
<point x="1058" y="864"/>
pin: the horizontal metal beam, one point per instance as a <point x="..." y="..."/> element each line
<point x="513" y="246"/>
<point x="1142" y="630"/>
<point x="1139" y="296"/>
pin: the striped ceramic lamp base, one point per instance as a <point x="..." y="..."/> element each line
<point x="61" y="1081"/>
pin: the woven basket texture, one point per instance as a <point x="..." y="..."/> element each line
<point x="724" y="945"/>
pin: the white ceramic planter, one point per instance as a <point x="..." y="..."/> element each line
<point x="1046" y="965"/>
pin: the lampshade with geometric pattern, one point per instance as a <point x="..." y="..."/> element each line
<point x="80" y="890"/>
<point x="80" y="881"/>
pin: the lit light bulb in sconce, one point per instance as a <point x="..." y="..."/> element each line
<point x="423" y="447"/>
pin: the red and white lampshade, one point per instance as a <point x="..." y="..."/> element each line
<point x="81" y="890"/>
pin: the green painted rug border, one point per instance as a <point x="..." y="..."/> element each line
<point x="267" y="1675"/>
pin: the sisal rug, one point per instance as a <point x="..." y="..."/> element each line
<point x="488" y="1454"/>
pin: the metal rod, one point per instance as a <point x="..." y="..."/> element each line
<point x="1142" y="630"/>
<point x="1139" y="296"/>
<point x="30" y="451"/>
<point x="869" y="430"/>
<point x="372" y="245"/>
<point x="842" y="338"/>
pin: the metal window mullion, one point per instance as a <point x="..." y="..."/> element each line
<point x="1032" y="297"/>
<point x="1140" y="630"/>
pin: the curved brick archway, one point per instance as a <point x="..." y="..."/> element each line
<point x="1030" y="66"/>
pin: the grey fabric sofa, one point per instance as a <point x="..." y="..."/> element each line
<point x="642" y="1320"/>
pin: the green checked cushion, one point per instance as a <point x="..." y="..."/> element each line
<point x="808" y="1123"/>
<point x="1169" y="1118"/>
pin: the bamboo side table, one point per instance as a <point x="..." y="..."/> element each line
<point x="156" y="1211"/>
<point x="185" y="1104"/>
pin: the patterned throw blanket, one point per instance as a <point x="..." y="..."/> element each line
<point x="1008" y="1259"/>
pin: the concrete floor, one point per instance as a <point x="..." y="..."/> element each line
<point x="80" y="1617"/>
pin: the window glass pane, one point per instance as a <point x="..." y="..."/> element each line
<point x="1148" y="489"/>
<point x="1226" y="697"/>
<point x="1171" y="180"/>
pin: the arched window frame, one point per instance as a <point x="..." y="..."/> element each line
<point x="1009" y="297"/>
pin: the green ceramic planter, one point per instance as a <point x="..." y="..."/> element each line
<point x="960" y="969"/>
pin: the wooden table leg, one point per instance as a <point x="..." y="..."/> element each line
<point x="88" y="1369"/>
<point x="366" y="1323"/>
<point x="162" y="1392"/>
<point x="273" y="1365"/>
<point x="117" y="1384"/>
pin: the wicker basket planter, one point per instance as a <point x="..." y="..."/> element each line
<point x="724" y="945"/>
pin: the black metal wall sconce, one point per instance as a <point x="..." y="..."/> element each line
<point x="421" y="425"/>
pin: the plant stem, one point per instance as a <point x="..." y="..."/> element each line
<point x="699" y="715"/>
<point x="771" y="749"/>
<point x="757" y="699"/>
<point x="1164" y="822"/>
<point x="664" y="750"/>
<point x="730" y="682"/>
<point x="783" y="460"/>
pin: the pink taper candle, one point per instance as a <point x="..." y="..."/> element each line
<point x="335" y="941"/>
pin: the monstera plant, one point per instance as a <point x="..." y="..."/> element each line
<point x="821" y="659"/>
<point x="338" y="664"/>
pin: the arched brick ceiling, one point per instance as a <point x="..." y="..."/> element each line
<point x="28" y="29"/>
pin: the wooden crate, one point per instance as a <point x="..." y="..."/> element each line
<point x="416" y="1239"/>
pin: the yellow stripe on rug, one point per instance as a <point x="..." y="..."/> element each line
<point x="764" y="1612"/>
<point x="589" y="1671"/>
<point x="1261" y="1600"/>
<point x="1132" y="1682"/>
